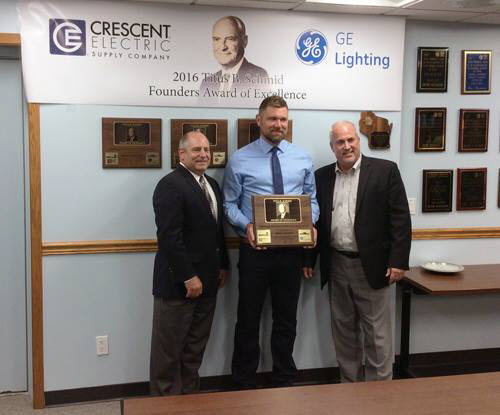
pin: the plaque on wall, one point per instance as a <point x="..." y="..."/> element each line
<point x="473" y="130"/>
<point x="282" y="220"/>
<point x="437" y="190"/>
<point x="249" y="131"/>
<point x="471" y="189"/>
<point x="214" y="130"/>
<point x="432" y="69"/>
<point x="131" y="143"/>
<point x="377" y="129"/>
<point x="476" y="71"/>
<point x="430" y="129"/>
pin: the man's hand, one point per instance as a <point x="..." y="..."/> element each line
<point x="394" y="274"/>
<point x="194" y="287"/>
<point x="308" y="272"/>
<point x="223" y="274"/>
<point x="251" y="237"/>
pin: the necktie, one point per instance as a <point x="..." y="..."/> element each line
<point x="276" y="170"/>
<point x="203" y="185"/>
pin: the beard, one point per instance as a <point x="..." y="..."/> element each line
<point x="275" y="138"/>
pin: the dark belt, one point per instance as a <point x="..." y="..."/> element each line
<point x="349" y="254"/>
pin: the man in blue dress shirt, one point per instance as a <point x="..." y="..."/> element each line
<point x="269" y="165"/>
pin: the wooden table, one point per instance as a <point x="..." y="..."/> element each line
<point x="474" y="279"/>
<point x="449" y="395"/>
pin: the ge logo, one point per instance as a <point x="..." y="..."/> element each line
<point x="67" y="37"/>
<point x="311" y="47"/>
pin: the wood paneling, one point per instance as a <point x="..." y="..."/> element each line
<point x="36" y="255"/>
<point x="455" y="233"/>
<point x="10" y="39"/>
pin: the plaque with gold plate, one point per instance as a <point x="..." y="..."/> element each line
<point x="473" y="130"/>
<point x="471" y="188"/>
<point x="432" y="69"/>
<point x="282" y="220"/>
<point x="131" y="143"/>
<point x="476" y="72"/>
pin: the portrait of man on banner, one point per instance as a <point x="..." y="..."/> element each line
<point x="229" y="40"/>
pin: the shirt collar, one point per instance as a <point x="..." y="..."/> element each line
<point x="234" y="69"/>
<point x="353" y="168"/>
<point x="267" y="147"/>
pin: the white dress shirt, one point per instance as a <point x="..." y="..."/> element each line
<point x="209" y="188"/>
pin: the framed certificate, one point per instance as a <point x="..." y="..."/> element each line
<point x="473" y="130"/>
<point x="249" y="131"/>
<point x="282" y="220"/>
<point x="131" y="143"/>
<point x="437" y="190"/>
<point x="214" y="130"/>
<point x="432" y="69"/>
<point x="430" y="129"/>
<point x="471" y="189"/>
<point x="476" y="71"/>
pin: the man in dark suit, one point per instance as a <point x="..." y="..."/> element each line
<point x="190" y="265"/>
<point x="229" y="40"/>
<point x="364" y="238"/>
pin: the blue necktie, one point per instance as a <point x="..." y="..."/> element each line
<point x="276" y="170"/>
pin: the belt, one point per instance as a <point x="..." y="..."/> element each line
<point x="349" y="254"/>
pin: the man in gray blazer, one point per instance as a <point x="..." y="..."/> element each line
<point x="364" y="238"/>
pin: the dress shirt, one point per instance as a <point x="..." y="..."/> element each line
<point x="249" y="173"/>
<point x="229" y="74"/>
<point x="344" y="208"/>
<point x="209" y="188"/>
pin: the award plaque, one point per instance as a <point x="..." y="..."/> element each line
<point x="214" y="130"/>
<point x="437" y="190"/>
<point x="471" y="189"/>
<point x="131" y="143"/>
<point x="432" y="69"/>
<point x="377" y="129"/>
<point x="476" y="71"/>
<point x="249" y="131"/>
<point x="282" y="220"/>
<point x="430" y="129"/>
<point x="473" y="130"/>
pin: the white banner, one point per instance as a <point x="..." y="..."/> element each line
<point x="124" y="53"/>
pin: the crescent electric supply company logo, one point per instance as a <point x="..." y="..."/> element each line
<point x="67" y="37"/>
<point x="311" y="47"/>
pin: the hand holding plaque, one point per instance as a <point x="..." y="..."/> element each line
<point x="282" y="220"/>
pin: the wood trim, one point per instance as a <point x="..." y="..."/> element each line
<point x="36" y="255"/>
<point x="10" y="39"/>
<point x="98" y="247"/>
<point x="456" y="233"/>
<point x="149" y="245"/>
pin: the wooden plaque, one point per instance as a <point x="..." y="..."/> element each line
<point x="476" y="71"/>
<point x="432" y="69"/>
<point x="248" y="131"/>
<point x="430" y="129"/>
<point x="131" y="143"/>
<point x="471" y="189"/>
<point x="473" y="130"/>
<point x="282" y="220"/>
<point x="437" y="190"/>
<point x="214" y="130"/>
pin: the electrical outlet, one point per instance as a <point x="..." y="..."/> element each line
<point x="101" y="343"/>
<point x="412" y="204"/>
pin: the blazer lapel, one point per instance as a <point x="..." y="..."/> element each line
<point x="364" y="175"/>
<point x="197" y="190"/>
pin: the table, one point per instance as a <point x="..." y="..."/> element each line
<point x="474" y="279"/>
<point x="447" y="395"/>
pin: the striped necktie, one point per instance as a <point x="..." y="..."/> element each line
<point x="203" y="185"/>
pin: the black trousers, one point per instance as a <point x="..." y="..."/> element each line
<point x="180" y="333"/>
<point x="277" y="270"/>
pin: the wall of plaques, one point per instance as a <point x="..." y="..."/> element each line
<point x="454" y="102"/>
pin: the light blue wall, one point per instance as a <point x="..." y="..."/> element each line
<point x="9" y="22"/>
<point x="445" y="323"/>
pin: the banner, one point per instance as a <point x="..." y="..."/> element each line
<point x="124" y="53"/>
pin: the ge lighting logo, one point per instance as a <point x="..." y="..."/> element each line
<point x="67" y="37"/>
<point x="311" y="47"/>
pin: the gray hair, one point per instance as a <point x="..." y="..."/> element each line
<point x="337" y="123"/>
<point x="237" y="22"/>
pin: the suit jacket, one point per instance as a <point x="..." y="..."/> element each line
<point x="246" y="72"/>
<point x="190" y="241"/>
<point x="382" y="224"/>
